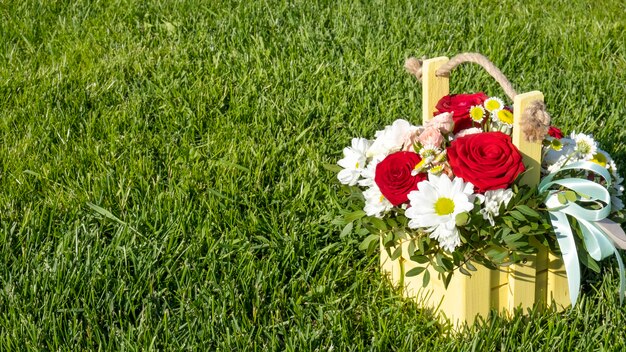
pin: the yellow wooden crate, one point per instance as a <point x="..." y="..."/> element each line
<point x="540" y="280"/>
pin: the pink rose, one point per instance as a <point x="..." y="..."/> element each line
<point x="431" y="137"/>
<point x="410" y="138"/>
<point x="443" y="122"/>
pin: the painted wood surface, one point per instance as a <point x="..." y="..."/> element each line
<point x="433" y="87"/>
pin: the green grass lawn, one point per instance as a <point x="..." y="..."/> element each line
<point x="161" y="166"/>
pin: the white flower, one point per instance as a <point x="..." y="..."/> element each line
<point x="392" y="138"/>
<point x="555" y="159"/>
<point x="375" y="203"/>
<point x="369" y="173"/>
<point x="493" y="104"/>
<point x="353" y="162"/>
<point x="585" y="146"/>
<point x="435" y="205"/>
<point x="492" y="202"/>
<point x="610" y="164"/>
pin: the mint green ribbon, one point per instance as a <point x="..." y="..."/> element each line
<point x="596" y="241"/>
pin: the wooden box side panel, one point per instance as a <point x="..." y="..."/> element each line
<point x="464" y="299"/>
<point x="541" y="279"/>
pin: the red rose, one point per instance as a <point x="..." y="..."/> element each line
<point x="459" y="105"/>
<point x="555" y="132"/>
<point x="488" y="160"/>
<point x="393" y="176"/>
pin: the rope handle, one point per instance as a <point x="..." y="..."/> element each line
<point x="414" y="66"/>
<point x="535" y="119"/>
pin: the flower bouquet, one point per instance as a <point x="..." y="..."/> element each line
<point x="457" y="191"/>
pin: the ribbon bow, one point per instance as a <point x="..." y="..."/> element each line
<point x="600" y="234"/>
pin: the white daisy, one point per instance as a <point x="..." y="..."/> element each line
<point x="503" y="116"/>
<point x="353" y="162"/>
<point x="554" y="159"/>
<point x="477" y="113"/>
<point x="375" y="203"/>
<point x="493" y="104"/>
<point x="492" y="202"/>
<point x="435" y="205"/>
<point x="586" y="147"/>
<point x="429" y="152"/>
<point x="369" y="173"/>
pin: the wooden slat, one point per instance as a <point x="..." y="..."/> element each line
<point x="531" y="151"/>
<point x="522" y="280"/>
<point x="523" y="276"/>
<point x="558" y="290"/>
<point x="388" y="267"/>
<point x="433" y="87"/>
<point x="464" y="299"/>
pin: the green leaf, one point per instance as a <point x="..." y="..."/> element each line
<point x="378" y="223"/>
<point x="387" y="238"/>
<point x="447" y="263"/>
<point x="496" y="254"/>
<point x="426" y="278"/>
<point x="571" y="196"/>
<point x="470" y="266"/>
<point x="367" y="241"/>
<point x="517" y="215"/>
<point x="411" y="248"/>
<point x="462" y="219"/>
<point x="526" y="210"/>
<point x="415" y="271"/>
<point x="513" y="237"/>
<point x="464" y="271"/>
<point x="107" y="214"/>
<point x="561" y="198"/>
<point x="440" y="269"/>
<point x="421" y="259"/>
<point x="396" y="253"/>
<point x="346" y="230"/>
<point x="350" y="217"/>
<point x="447" y="280"/>
<point x="332" y="167"/>
<point x="587" y="261"/>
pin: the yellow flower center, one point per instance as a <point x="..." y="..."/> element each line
<point x="477" y="114"/>
<point x="492" y="105"/>
<point x="444" y="206"/>
<point x="357" y="165"/>
<point x="583" y="147"/>
<point x="505" y="116"/>
<point x="599" y="159"/>
<point x="437" y="169"/>
<point x="556" y="145"/>
<point x="420" y="165"/>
